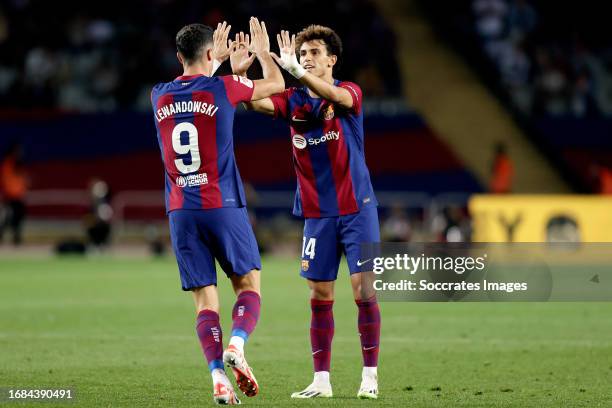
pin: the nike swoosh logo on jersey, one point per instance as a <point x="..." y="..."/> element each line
<point x="298" y="120"/>
<point x="359" y="263"/>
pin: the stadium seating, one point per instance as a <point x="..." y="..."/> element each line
<point x="550" y="63"/>
<point x="68" y="151"/>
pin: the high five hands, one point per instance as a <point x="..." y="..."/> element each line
<point x="243" y="50"/>
<point x="288" y="60"/>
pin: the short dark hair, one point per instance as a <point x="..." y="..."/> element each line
<point x="332" y="41"/>
<point x="191" y="40"/>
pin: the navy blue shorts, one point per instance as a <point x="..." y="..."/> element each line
<point x="326" y="239"/>
<point x="201" y="236"/>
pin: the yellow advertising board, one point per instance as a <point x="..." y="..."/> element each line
<point x="541" y="218"/>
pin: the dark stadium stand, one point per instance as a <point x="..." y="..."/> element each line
<point x="97" y="57"/>
<point x="551" y="64"/>
<point x="584" y="144"/>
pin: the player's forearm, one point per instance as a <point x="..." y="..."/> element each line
<point x="324" y="89"/>
<point x="264" y="106"/>
<point x="271" y="71"/>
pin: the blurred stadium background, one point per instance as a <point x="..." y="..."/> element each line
<point x="462" y="98"/>
<point x="486" y="120"/>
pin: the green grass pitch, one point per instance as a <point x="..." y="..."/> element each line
<point x="121" y="333"/>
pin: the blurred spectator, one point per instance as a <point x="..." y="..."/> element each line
<point x="551" y="85"/>
<point x="154" y="240"/>
<point x="502" y="171"/>
<point x="515" y="67"/>
<point x="582" y="99"/>
<point x="452" y="224"/>
<point x="490" y="17"/>
<point x="370" y="81"/>
<point x="544" y="72"/>
<point x="13" y="187"/>
<point x="605" y="180"/>
<point x="522" y="20"/>
<point x="396" y="227"/>
<point x="103" y="59"/>
<point x="98" y="222"/>
<point x="4" y="27"/>
<point x="562" y="228"/>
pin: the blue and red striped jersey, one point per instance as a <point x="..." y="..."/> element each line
<point x="194" y="117"/>
<point x="328" y="153"/>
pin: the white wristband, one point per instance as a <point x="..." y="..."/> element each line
<point x="297" y="71"/>
<point x="216" y="65"/>
<point x="290" y="64"/>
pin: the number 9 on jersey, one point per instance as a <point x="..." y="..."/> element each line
<point x="191" y="148"/>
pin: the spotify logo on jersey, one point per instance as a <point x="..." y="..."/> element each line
<point x="299" y="141"/>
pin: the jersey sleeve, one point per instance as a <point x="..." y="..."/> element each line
<point x="154" y="95"/>
<point x="281" y="104"/>
<point x="153" y="92"/>
<point x="355" y="92"/>
<point x="238" y="88"/>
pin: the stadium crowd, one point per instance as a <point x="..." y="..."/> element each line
<point x="551" y="62"/>
<point x="93" y="57"/>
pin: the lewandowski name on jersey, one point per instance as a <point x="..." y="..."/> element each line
<point x="185" y="107"/>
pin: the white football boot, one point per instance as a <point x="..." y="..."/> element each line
<point x="320" y="387"/>
<point x="369" y="384"/>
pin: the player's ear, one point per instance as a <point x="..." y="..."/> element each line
<point x="333" y="59"/>
<point x="180" y="58"/>
<point x="209" y="54"/>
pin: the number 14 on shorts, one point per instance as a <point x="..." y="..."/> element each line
<point x="308" y="247"/>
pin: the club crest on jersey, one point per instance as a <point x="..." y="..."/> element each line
<point x="299" y="141"/>
<point x="192" y="180"/>
<point x="328" y="114"/>
<point x="305" y="265"/>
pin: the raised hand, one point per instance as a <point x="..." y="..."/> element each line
<point x="260" y="42"/>
<point x="221" y="45"/>
<point x="288" y="60"/>
<point x="240" y="59"/>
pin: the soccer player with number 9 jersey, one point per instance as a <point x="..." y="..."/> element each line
<point x="205" y="199"/>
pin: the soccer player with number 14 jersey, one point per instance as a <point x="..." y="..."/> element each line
<point x="205" y="200"/>
<point x="334" y="193"/>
